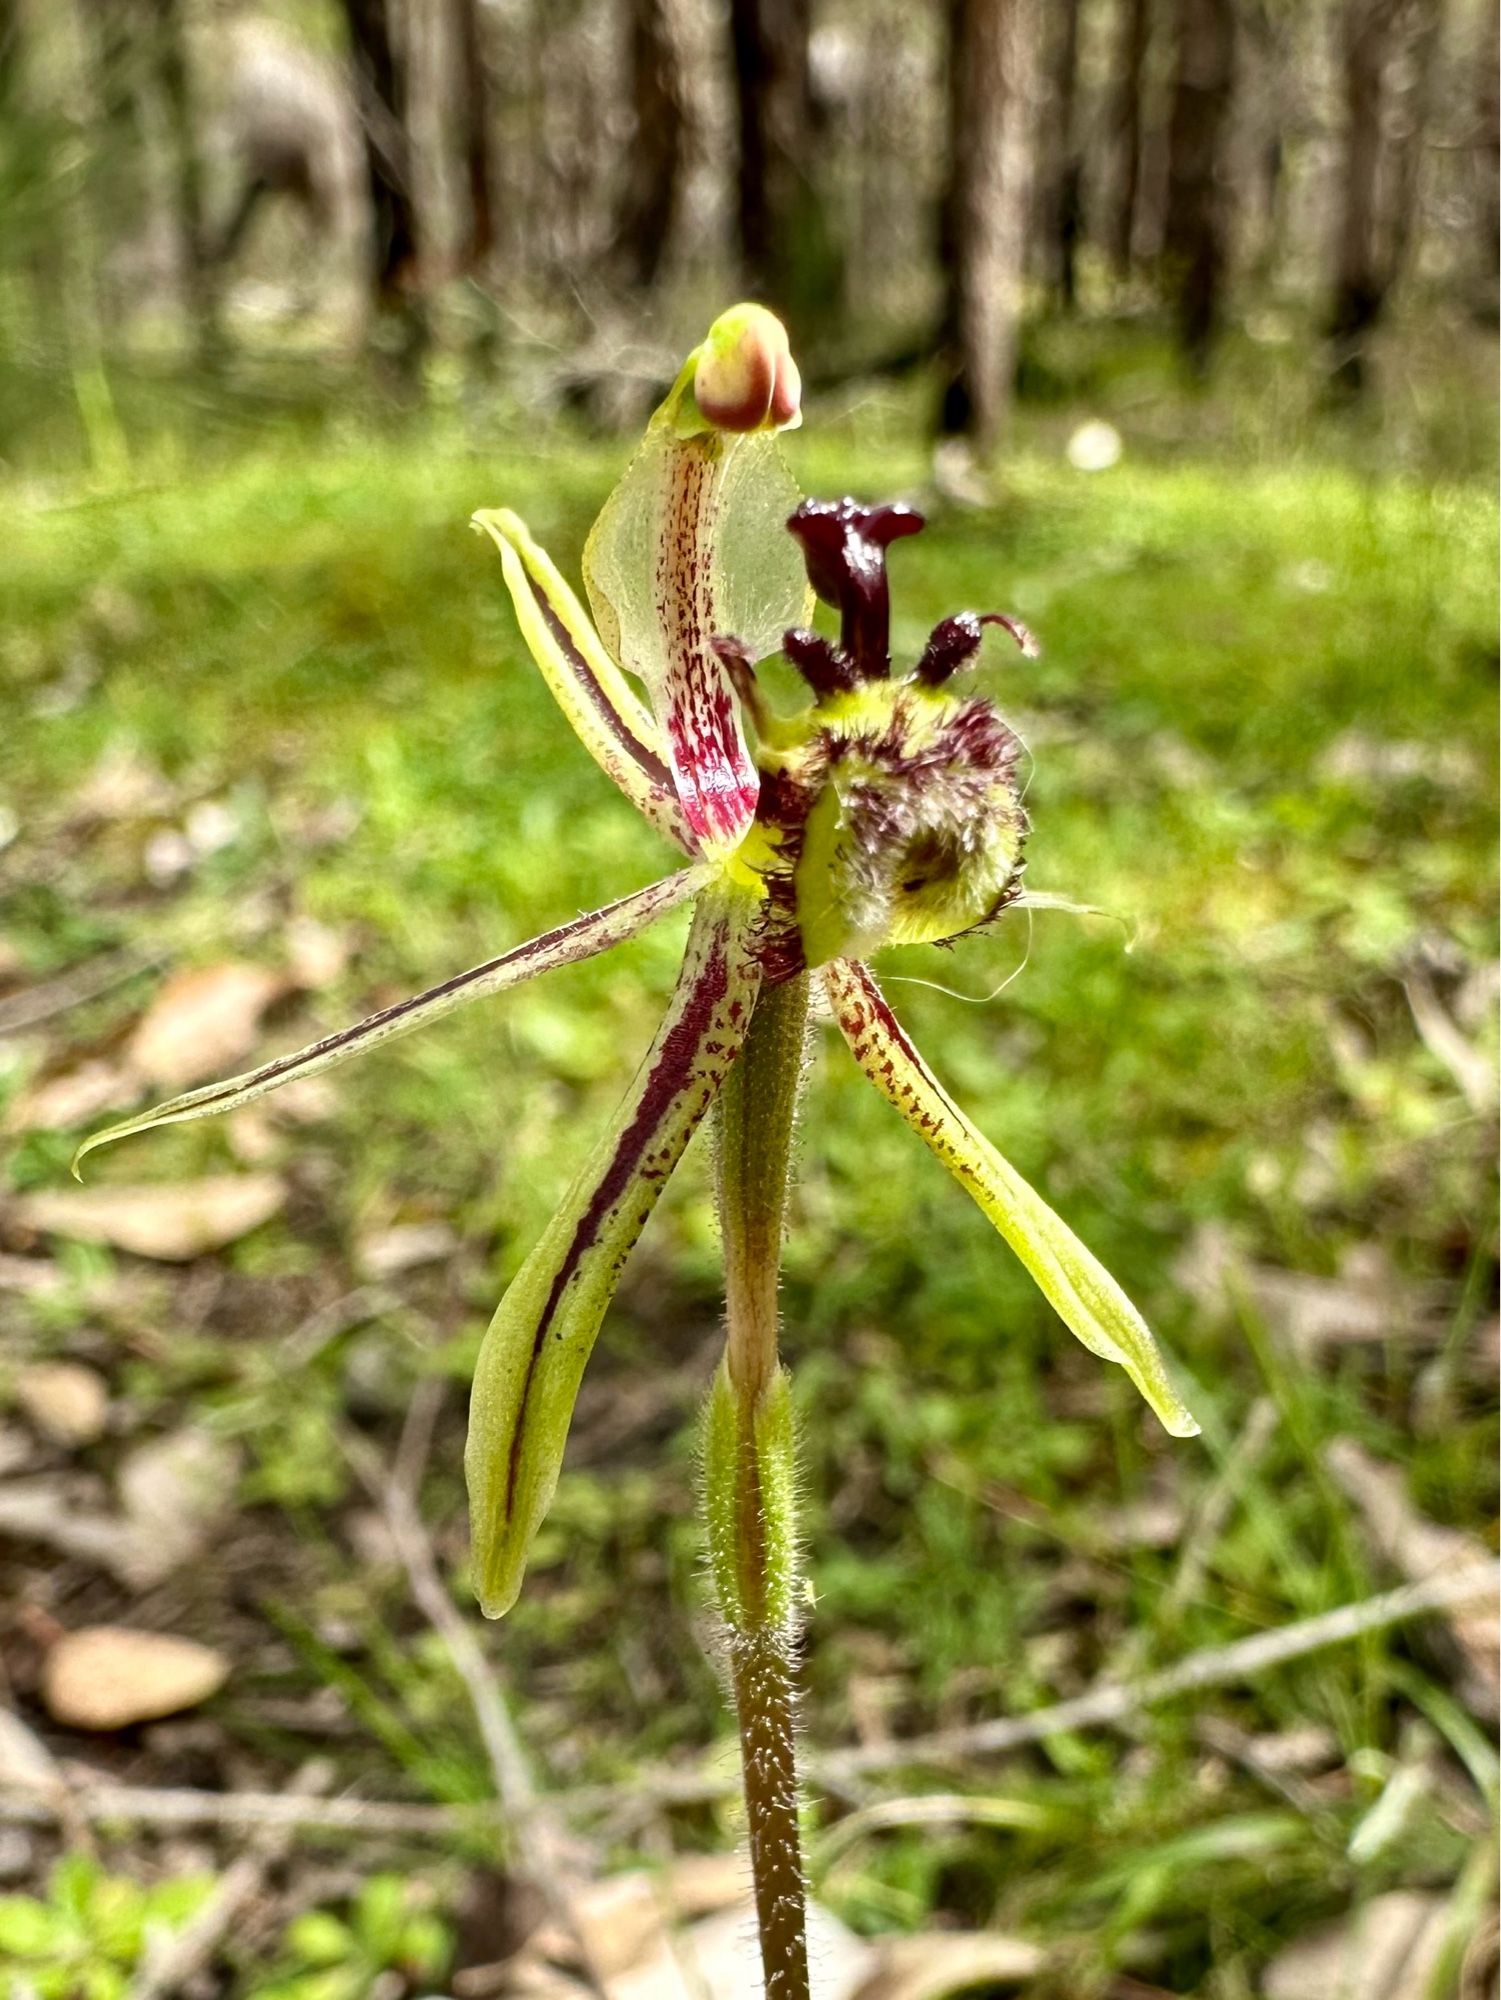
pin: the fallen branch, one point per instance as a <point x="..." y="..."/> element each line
<point x="34" y="1802"/>
<point x="51" y="997"/>
<point x="540" y="1838"/>
<point x="1216" y="1666"/>
<point x="40" y="1803"/>
<point x="182" y="1954"/>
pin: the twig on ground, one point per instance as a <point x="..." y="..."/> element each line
<point x="32" y="1802"/>
<point x="301" y="1347"/>
<point x="550" y="1855"/>
<point x="184" y="1953"/>
<point x="1239" y="1747"/>
<point x="44" y="1002"/>
<point x="40" y="1804"/>
<point x="1215" y="1666"/>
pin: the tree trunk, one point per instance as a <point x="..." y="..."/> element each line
<point x="1194" y="232"/>
<point x="788" y="253"/>
<point x="175" y="79"/>
<point x="992" y="72"/>
<point x="1488" y="170"/>
<point x="381" y="93"/>
<point x="1065" y="215"/>
<point x="649" y="210"/>
<point x="1135" y="26"/>
<point x="474" y="122"/>
<point x="1359" y="282"/>
<point x="119" y="49"/>
<point x="1383" y="42"/>
<point x="1406" y="130"/>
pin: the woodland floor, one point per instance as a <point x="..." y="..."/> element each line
<point x="274" y="756"/>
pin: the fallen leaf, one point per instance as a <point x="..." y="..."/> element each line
<point x="15" y="1449"/>
<point x="1367" y="1301"/>
<point x="172" y="1221"/>
<point x="66" y="1401"/>
<point x="43" y="1510"/>
<point x="107" y="1677"/>
<point x="173" y="1490"/>
<point x="719" y="1959"/>
<point x="937" y="1963"/>
<point x="202" y="1023"/>
<point x="33" y="1277"/>
<point x="643" y="1945"/>
<point x="696" y="1885"/>
<point x="1470" y="1066"/>
<point x="24" y="1757"/>
<point x="1388" y="1949"/>
<point x="386" y="1252"/>
<point x="73" y="1097"/>
<point x="316" y="953"/>
<point x="309" y="1100"/>
<point x="1307" y="1747"/>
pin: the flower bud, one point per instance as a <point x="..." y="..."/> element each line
<point x="745" y="378"/>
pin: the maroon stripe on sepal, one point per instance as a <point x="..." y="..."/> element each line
<point x="640" y="753"/>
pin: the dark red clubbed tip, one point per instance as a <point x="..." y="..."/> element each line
<point x="844" y="545"/>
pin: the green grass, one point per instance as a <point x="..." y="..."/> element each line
<point x="1263" y="733"/>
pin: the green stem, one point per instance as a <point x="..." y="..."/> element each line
<point x="756" y="1114"/>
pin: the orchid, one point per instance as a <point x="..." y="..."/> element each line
<point x="887" y="810"/>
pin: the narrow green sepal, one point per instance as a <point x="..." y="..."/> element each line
<point x="750" y="1505"/>
<point x="533" y="1356"/>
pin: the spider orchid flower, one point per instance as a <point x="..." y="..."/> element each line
<point x="886" y="811"/>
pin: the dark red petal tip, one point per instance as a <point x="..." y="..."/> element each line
<point x="954" y="642"/>
<point x="821" y="663"/>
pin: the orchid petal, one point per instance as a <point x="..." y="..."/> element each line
<point x="608" y="716"/>
<point x="584" y="937"/>
<point x="1073" y="1281"/>
<point x="540" y="1338"/>
<point x="691" y="543"/>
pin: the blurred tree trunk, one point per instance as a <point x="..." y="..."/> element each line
<point x="1488" y="168"/>
<point x="1268" y="91"/>
<point x="659" y="95"/>
<point x="175" y="78"/>
<point x="118" y="49"/>
<point x="381" y="94"/>
<point x="1193" y="246"/>
<point x="788" y="253"/>
<point x="992" y="79"/>
<point x="1358" y="288"/>
<point x="1383" y="142"/>
<point x="474" y="128"/>
<point x="1407" y="129"/>
<point x="1065" y="193"/>
<point x="1134" y="23"/>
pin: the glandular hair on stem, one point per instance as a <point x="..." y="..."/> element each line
<point x="749" y="1474"/>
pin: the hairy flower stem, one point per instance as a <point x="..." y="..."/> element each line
<point x="749" y="1474"/>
